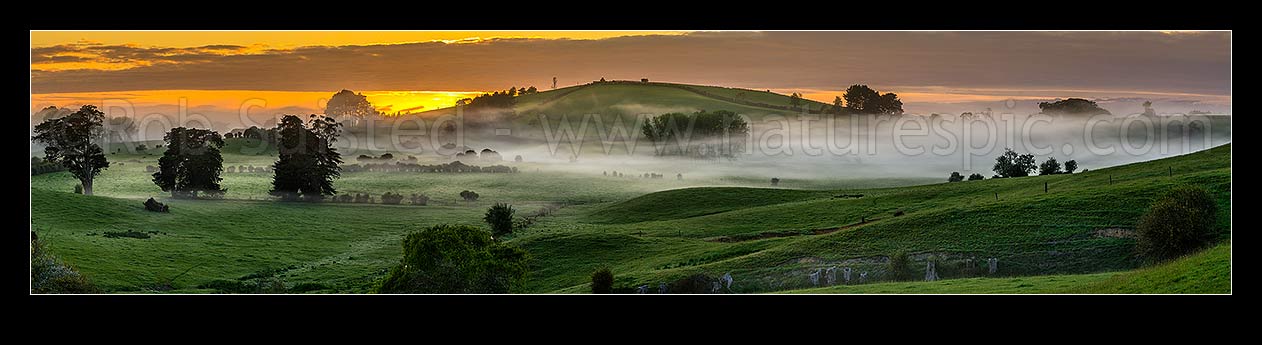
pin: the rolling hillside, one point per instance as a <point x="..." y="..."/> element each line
<point x="1082" y="224"/>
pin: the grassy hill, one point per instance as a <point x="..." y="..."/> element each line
<point x="1080" y="225"/>
<point x="768" y="239"/>
<point x="629" y="99"/>
<point x="1206" y="272"/>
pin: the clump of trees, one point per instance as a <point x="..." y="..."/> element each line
<point x="347" y="104"/>
<point x="308" y="162"/>
<point x="1011" y="164"/>
<point x="500" y="218"/>
<point x="497" y="99"/>
<point x="955" y="177"/>
<point x="68" y="142"/>
<point x="602" y="281"/>
<point x="191" y="163"/>
<point x="775" y="181"/>
<point x="1180" y="222"/>
<point x="469" y="195"/>
<point x="720" y="133"/>
<point x="861" y="99"/>
<point x="456" y="259"/>
<point x="1076" y="106"/>
<point x="975" y="177"/>
<point x="41" y="166"/>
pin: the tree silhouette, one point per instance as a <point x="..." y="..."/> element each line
<point x="191" y="163"/>
<point x="68" y="142"/>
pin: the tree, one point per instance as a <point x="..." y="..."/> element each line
<point x="469" y="195"/>
<point x="191" y="163"/>
<point x="308" y="163"/>
<point x="500" y="218"/>
<point x="456" y="259"/>
<point x="955" y="177"/>
<point x="890" y="104"/>
<point x="1049" y="167"/>
<point x="68" y="142"/>
<point x="1070" y="166"/>
<point x="348" y="104"/>
<point x="795" y="101"/>
<point x="899" y="267"/>
<point x="602" y="281"/>
<point x="976" y="177"/>
<point x="1180" y="222"/>
<point x="1010" y="164"/>
<point x="838" y="105"/>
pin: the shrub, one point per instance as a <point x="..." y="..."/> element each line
<point x="469" y="195"/>
<point x="775" y="181"/>
<point x="602" y="281"/>
<point x="455" y="259"/>
<point x="898" y="212"/>
<point x="899" y="267"/>
<point x="955" y="177"/>
<point x="500" y="218"/>
<point x="1180" y="222"/>
<point x="391" y="198"/>
<point x="51" y="275"/>
<point x="420" y="199"/>
<point x="976" y="177"/>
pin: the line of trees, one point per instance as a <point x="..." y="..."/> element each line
<point x="681" y="129"/>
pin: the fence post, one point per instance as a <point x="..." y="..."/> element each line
<point x="1044" y="187"/>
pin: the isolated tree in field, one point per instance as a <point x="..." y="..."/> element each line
<point x="1049" y="167"/>
<point x="456" y="259"/>
<point x="500" y="218"/>
<point x="348" y="104"/>
<point x="795" y="101"/>
<point x="68" y="141"/>
<point x="775" y="181"/>
<point x="1011" y="164"/>
<point x="1070" y="166"/>
<point x="469" y="195"/>
<point x="838" y="105"/>
<point x="1179" y="223"/>
<point x="976" y="177"/>
<point x="191" y="164"/>
<point x="308" y="163"/>
<point x="955" y="177"/>
<point x="602" y="281"/>
<point x="899" y="266"/>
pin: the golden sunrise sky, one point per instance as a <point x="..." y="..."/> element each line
<point x="424" y="70"/>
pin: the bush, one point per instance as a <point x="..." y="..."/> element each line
<point x="1179" y="223"/>
<point x="898" y="212"/>
<point x="500" y="218"/>
<point x="955" y="177"/>
<point x="899" y="267"/>
<point x="51" y="275"/>
<point x="420" y="199"/>
<point x="602" y="281"/>
<point x="455" y="259"/>
<point x="469" y="195"/>
<point x="976" y="177"/>
<point x="391" y="198"/>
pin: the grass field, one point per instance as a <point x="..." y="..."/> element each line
<point x="647" y="231"/>
<point x="1205" y="272"/>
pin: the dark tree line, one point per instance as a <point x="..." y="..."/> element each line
<point x="861" y="99"/>
<point x="681" y="129"/>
